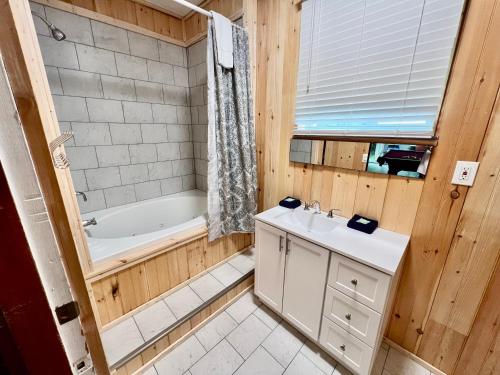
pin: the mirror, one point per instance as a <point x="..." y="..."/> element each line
<point x="406" y="160"/>
<point x="306" y="151"/>
<point x="348" y="155"/>
<point x="399" y="159"/>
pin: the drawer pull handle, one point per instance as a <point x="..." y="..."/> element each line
<point x="281" y="244"/>
<point x="342" y="347"/>
<point x="354" y="282"/>
<point x="348" y="316"/>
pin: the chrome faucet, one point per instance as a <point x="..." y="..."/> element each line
<point x="313" y="204"/>
<point x="86" y="223"/>
<point x="316" y="205"/>
<point x="82" y="194"/>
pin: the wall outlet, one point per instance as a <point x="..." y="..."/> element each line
<point x="465" y="173"/>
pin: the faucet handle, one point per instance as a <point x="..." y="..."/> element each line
<point x="307" y="206"/>
<point x="330" y="212"/>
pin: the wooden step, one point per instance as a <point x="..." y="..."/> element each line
<point x="139" y="336"/>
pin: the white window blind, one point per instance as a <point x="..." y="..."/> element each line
<point x="374" y="67"/>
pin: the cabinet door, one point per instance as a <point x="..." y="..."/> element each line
<point x="269" y="265"/>
<point x="305" y="280"/>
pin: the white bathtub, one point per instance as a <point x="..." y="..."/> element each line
<point x="134" y="225"/>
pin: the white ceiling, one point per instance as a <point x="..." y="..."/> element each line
<point x="171" y="7"/>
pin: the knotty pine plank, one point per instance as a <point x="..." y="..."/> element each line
<point x="119" y="293"/>
<point x="400" y="204"/>
<point x="370" y="195"/>
<point x="470" y="264"/>
<point x="343" y="195"/>
<point x="196" y="262"/>
<point x="467" y="105"/>
<point x="144" y="16"/>
<point x="481" y="353"/>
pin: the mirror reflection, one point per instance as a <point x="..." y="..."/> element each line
<point x="306" y="151"/>
<point x="399" y="159"/>
<point x="348" y="155"/>
<point x="404" y="160"/>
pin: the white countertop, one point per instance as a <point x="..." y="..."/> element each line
<point x="382" y="250"/>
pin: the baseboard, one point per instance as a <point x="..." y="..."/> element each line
<point x="191" y="332"/>
<point x="420" y="361"/>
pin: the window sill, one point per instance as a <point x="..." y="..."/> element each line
<point x="406" y="141"/>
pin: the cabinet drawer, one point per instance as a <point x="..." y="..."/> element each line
<point x="352" y="352"/>
<point x="362" y="283"/>
<point x="355" y="318"/>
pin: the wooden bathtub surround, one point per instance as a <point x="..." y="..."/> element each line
<point x="142" y="253"/>
<point x="452" y="253"/>
<point x="116" y="294"/>
<point x="23" y="63"/>
<point x="164" y="345"/>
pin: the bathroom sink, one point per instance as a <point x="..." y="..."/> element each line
<point x="308" y="220"/>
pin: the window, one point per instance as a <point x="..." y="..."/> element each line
<point x="374" y="67"/>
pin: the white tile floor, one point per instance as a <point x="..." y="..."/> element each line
<point x="131" y="333"/>
<point x="247" y="338"/>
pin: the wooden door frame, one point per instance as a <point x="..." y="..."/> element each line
<point x="27" y="317"/>
<point x="28" y="81"/>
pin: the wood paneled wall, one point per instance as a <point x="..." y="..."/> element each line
<point x="195" y="24"/>
<point x="471" y="261"/>
<point x="135" y="14"/>
<point x="144" y="19"/>
<point x="454" y="243"/>
<point x="121" y="292"/>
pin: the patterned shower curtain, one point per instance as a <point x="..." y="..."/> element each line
<point x="232" y="170"/>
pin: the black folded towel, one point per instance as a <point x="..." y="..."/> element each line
<point x="290" y="202"/>
<point x="362" y="224"/>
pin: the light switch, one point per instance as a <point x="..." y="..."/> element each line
<point x="364" y="158"/>
<point x="465" y="173"/>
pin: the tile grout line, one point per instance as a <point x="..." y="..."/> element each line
<point x="265" y="338"/>
<point x="176" y="324"/>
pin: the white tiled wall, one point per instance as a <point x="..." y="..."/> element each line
<point x="197" y="70"/>
<point x="126" y="98"/>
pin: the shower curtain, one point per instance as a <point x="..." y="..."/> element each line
<point x="232" y="170"/>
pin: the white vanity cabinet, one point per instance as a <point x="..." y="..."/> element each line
<point x="334" y="284"/>
<point x="290" y="277"/>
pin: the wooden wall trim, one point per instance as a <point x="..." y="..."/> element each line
<point x="469" y="100"/>
<point x="145" y="25"/>
<point x="23" y="63"/>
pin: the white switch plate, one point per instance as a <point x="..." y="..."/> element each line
<point x="364" y="158"/>
<point x="465" y="173"/>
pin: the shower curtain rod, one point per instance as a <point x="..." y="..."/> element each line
<point x="200" y="10"/>
<point x="193" y="7"/>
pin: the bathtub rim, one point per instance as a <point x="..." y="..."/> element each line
<point x="139" y="253"/>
